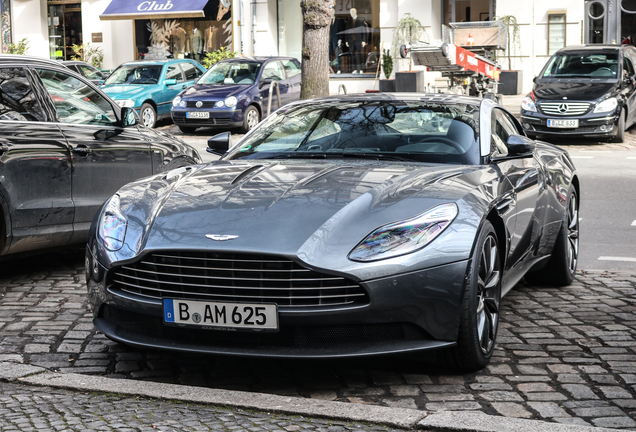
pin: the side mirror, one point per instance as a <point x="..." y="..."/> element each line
<point x="129" y="117"/>
<point x="219" y="144"/>
<point x="266" y="81"/>
<point x="519" y="145"/>
<point x="170" y="82"/>
<point x="534" y="80"/>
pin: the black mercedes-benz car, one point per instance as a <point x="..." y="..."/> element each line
<point x="342" y="226"/>
<point x="65" y="148"/>
<point x="583" y="90"/>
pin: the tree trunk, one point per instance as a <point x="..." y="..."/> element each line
<point x="315" y="53"/>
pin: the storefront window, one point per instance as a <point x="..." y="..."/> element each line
<point x="354" y="34"/>
<point x="467" y="10"/>
<point x="192" y="38"/>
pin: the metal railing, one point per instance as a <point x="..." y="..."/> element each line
<point x="271" y="93"/>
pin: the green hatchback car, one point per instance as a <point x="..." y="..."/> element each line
<point x="149" y="86"/>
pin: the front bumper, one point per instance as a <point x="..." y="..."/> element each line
<point x="590" y="124"/>
<point x="405" y="313"/>
<point x="218" y="117"/>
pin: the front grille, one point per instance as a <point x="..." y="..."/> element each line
<point x="582" y="130"/>
<point x="211" y="120"/>
<point x="206" y="104"/>
<point x="327" y="336"/>
<point x="564" y="108"/>
<point x="235" y="278"/>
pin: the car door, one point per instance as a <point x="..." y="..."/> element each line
<point x="170" y="91"/>
<point x="273" y="71"/>
<point x="35" y="168"/>
<point x="524" y="175"/>
<point x="629" y="89"/>
<point x="292" y="69"/>
<point x="190" y="72"/>
<point x="105" y="156"/>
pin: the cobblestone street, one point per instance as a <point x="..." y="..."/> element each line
<point x="566" y="355"/>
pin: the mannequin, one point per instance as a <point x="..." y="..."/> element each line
<point x="358" y="37"/>
<point x="335" y="41"/>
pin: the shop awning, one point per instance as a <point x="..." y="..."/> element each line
<point x="153" y="9"/>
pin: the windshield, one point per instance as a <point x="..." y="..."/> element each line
<point x="391" y="130"/>
<point x="243" y="73"/>
<point x="583" y="64"/>
<point x="135" y="74"/>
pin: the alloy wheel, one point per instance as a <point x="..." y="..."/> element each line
<point x="573" y="234"/>
<point x="148" y="117"/>
<point x="488" y="294"/>
<point x="252" y="119"/>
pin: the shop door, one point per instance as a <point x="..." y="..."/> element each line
<point x="65" y="30"/>
<point x="628" y="21"/>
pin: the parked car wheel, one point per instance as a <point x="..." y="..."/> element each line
<point x="187" y="129"/>
<point x="480" y="308"/>
<point x="251" y="119"/>
<point x="148" y="115"/>
<point x="560" y="269"/>
<point x="620" y="129"/>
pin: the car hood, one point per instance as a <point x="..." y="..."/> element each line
<point x="117" y="91"/>
<point x="315" y="211"/>
<point x="214" y="92"/>
<point x="571" y="89"/>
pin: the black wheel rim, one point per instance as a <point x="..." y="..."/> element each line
<point x="488" y="294"/>
<point x="573" y="234"/>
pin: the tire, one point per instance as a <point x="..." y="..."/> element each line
<point x="148" y="115"/>
<point x="561" y="268"/>
<point x="480" y="310"/>
<point x="187" y="129"/>
<point x="250" y="119"/>
<point x="620" y="129"/>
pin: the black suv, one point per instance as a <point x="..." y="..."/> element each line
<point x="584" y="90"/>
<point x="65" y="147"/>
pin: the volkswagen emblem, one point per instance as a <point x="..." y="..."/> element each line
<point x="199" y="104"/>
<point x="563" y="108"/>
<point x="220" y="237"/>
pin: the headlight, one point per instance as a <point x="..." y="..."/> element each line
<point x="607" y="105"/>
<point x="112" y="225"/>
<point x="175" y="101"/>
<point x="404" y="237"/>
<point x="528" y="104"/>
<point x="231" y="101"/>
<point x="125" y="103"/>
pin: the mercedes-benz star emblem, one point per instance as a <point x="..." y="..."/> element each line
<point x="220" y="237"/>
<point x="563" y="108"/>
<point x="199" y="104"/>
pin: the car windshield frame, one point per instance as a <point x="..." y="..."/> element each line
<point x="601" y="64"/>
<point x="232" y="73"/>
<point x="400" y="130"/>
<point x="137" y="74"/>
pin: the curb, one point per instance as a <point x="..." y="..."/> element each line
<point x="403" y="418"/>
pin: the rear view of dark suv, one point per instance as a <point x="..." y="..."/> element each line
<point x="584" y="90"/>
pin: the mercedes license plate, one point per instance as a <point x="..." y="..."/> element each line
<point x="198" y="114"/>
<point x="563" y="123"/>
<point x="221" y="314"/>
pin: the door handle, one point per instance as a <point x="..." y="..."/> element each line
<point x="82" y="151"/>
<point x="3" y="149"/>
<point x="184" y="86"/>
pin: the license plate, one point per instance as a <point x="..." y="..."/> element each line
<point x="563" y="123"/>
<point x="221" y="315"/>
<point x="198" y="114"/>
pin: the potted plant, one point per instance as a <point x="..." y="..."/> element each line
<point x="408" y="31"/>
<point x="510" y="80"/>
<point x="388" y="84"/>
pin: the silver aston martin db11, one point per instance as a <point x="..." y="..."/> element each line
<point x="342" y="226"/>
